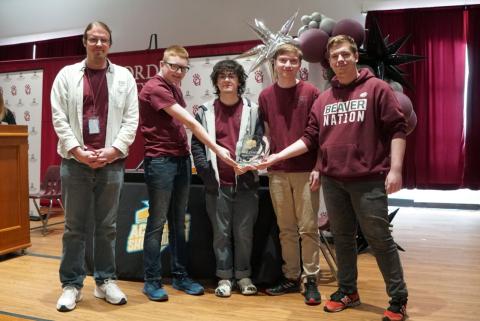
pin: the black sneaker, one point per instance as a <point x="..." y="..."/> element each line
<point x="284" y="286"/>
<point x="397" y="311"/>
<point x="312" y="296"/>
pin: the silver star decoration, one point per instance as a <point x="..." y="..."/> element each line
<point x="271" y="41"/>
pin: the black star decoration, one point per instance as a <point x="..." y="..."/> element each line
<point x="383" y="56"/>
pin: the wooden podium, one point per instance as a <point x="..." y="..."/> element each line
<point x="14" y="218"/>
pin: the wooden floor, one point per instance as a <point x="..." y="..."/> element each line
<point x="441" y="263"/>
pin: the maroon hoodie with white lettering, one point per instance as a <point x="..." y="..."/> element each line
<point x="353" y="126"/>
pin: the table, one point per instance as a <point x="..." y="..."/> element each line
<point x="131" y="223"/>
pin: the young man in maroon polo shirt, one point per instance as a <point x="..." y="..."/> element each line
<point x="284" y="108"/>
<point x="168" y="170"/>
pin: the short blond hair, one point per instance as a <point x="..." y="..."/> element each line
<point x="288" y="48"/>
<point x="175" y="50"/>
<point x="333" y="41"/>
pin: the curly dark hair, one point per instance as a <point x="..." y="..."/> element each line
<point x="229" y="66"/>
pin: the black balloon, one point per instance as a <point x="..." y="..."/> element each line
<point x="383" y="56"/>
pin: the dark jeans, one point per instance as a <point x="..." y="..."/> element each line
<point x="89" y="195"/>
<point x="233" y="215"/>
<point x="364" y="202"/>
<point x="168" y="184"/>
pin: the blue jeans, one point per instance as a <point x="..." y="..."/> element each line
<point x="89" y="195"/>
<point x="168" y="184"/>
<point x="233" y="215"/>
<point x="364" y="202"/>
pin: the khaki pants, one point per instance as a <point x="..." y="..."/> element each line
<point x="296" y="208"/>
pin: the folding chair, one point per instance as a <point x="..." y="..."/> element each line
<point x="50" y="190"/>
<point x="328" y="253"/>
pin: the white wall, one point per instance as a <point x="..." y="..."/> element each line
<point x="185" y="22"/>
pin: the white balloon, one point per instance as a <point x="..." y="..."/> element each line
<point x="313" y="25"/>
<point x="301" y="30"/>
<point x="316" y="16"/>
<point x="396" y="86"/>
<point x="327" y="25"/>
<point x="305" y="20"/>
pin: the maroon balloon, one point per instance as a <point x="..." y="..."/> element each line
<point x="324" y="62"/>
<point x="411" y="122"/>
<point x="313" y="43"/>
<point x="405" y="104"/>
<point x="352" y="28"/>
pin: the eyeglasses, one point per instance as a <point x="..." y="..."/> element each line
<point x="175" y="67"/>
<point x="229" y="75"/>
<point x="94" y="41"/>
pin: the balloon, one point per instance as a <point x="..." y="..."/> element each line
<point x="271" y="41"/>
<point x="405" y="104"/>
<point x="316" y="16"/>
<point x="305" y="20"/>
<point x="411" y="122"/>
<point x="327" y="25"/>
<point x="367" y="67"/>
<point x="313" y="25"/>
<point x="324" y="62"/>
<point x="313" y="43"/>
<point x="302" y="30"/>
<point x="352" y="28"/>
<point x="396" y="86"/>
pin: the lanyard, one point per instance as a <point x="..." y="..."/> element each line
<point x="95" y="96"/>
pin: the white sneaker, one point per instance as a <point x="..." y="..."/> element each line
<point x="247" y="287"/>
<point x="69" y="298"/>
<point x="224" y="289"/>
<point x="110" y="291"/>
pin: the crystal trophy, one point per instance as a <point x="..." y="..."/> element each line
<point x="254" y="149"/>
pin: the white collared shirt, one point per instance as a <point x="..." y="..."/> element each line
<point x="67" y="108"/>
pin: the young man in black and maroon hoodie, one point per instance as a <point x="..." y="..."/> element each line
<point x="360" y="131"/>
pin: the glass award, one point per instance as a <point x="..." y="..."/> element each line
<point x="254" y="149"/>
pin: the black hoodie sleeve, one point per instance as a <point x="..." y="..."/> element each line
<point x="9" y="117"/>
<point x="198" y="149"/>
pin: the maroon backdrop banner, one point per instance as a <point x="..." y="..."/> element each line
<point x="141" y="64"/>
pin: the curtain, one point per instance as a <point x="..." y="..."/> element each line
<point x="63" y="47"/>
<point x="16" y="52"/>
<point x="472" y="133"/>
<point x="434" y="156"/>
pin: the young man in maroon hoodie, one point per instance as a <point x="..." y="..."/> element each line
<point x="360" y="131"/>
<point x="284" y="108"/>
